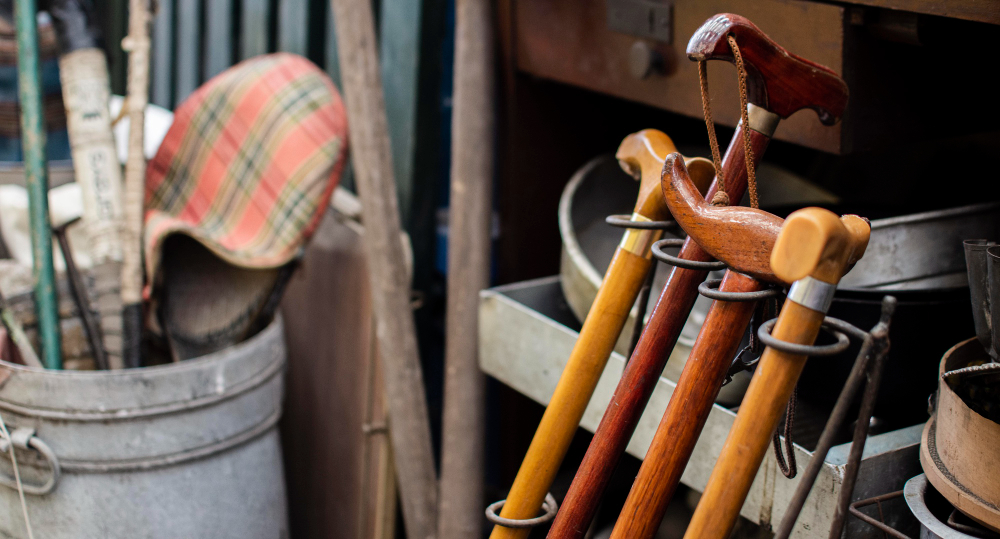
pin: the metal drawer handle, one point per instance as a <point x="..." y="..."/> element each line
<point x="24" y="438"/>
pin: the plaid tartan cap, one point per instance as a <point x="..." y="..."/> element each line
<point x="249" y="164"/>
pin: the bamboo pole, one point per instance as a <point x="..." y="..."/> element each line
<point x="37" y="181"/>
<point x="410" y="431"/>
<point x="463" y="426"/>
<point x="137" y="44"/>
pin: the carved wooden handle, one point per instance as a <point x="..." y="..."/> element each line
<point x="641" y="155"/>
<point x="777" y="80"/>
<point x="816" y="243"/>
<point x="741" y="237"/>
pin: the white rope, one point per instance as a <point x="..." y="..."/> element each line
<point x="17" y="476"/>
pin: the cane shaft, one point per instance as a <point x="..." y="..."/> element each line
<point x="687" y="411"/>
<point x="647" y="361"/>
<point x="762" y="408"/>
<point x="600" y="331"/>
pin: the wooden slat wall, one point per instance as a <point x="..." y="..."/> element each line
<point x="163" y="55"/>
<point x="218" y="36"/>
<point x="293" y="26"/>
<point x="194" y="40"/>
<point x="188" y="60"/>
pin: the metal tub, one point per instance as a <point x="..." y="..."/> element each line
<point x="175" y="451"/>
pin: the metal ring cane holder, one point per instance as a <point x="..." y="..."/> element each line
<point x="549" y="505"/>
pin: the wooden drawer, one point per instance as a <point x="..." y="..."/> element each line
<point x="569" y="41"/>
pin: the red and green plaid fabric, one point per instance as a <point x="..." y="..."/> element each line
<point x="249" y="164"/>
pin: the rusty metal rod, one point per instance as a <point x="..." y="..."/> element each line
<point x="876" y="344"/>
<point x="861" y="430"/>
<point x="855" y="510"/>
<point x="79" y="291"/>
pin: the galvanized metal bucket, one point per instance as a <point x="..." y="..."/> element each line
<point x="175" y="451"/>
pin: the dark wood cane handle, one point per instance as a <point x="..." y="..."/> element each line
<point x="739" y="236"/>
<point x="777" y="80"/>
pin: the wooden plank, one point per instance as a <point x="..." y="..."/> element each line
<point x="463" y="431"/>
<point x="218" y="37"/>
<point x="254" y="28"/>
<point x="163" y="55"/>
<point x="188" y="74"/>
<point x="336" y="467"/>
<point x="293" y="26"/>
<point x="970" y="10"/>
<point x="410" y="432"/>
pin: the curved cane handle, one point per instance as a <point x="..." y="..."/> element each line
<point x="641" y="155"/>
<point x="739" y="236"/>
<point x="777" y="80"/>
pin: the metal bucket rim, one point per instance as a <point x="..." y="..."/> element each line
<point x="169" y="404"/>
<point x="181" y="366"/>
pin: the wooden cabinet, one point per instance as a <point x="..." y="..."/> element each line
<point x="891" y="82"/>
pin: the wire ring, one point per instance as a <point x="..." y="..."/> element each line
<point x="658" y="253"/>
<point x="710" y="289"/>
<point x="843" y="342"/>
<point x="549" y="505"/>
<point x="625" y="221"/>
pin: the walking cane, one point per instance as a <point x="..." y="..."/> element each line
<point x="744" y="239"/>
<point x="640" y="154"/>
<point x="813" y="251"/>
<point x="777" y="84"/>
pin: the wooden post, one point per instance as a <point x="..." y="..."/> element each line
<point x="469" y="246"/>
<point x="397" y="340"/>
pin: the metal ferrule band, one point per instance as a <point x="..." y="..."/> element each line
<point x="762" y="120"/>
<point x="812" y="294"/>
<point x="639" y="242"/>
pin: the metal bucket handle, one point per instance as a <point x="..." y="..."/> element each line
<point x="24" y="438"/>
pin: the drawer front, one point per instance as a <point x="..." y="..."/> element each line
<point x="570" y="41"/>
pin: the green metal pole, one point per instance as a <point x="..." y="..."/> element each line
<point x="37" y="180"/>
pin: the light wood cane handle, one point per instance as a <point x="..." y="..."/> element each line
<point x="641" y="155"/>
<point x="816" y="243"/>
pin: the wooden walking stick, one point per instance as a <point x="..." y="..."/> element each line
<point x="37" y="181"/>
<point x="813" y="251"/>
<point x="83" y="71"/>
<point x="777" y="84"/>
<point x="137" y="45"/>
<point x="751" y="235"/>
<point x="410" y="430"/>
<point x="641" y="154"/>
<point x="463" y="427"/>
